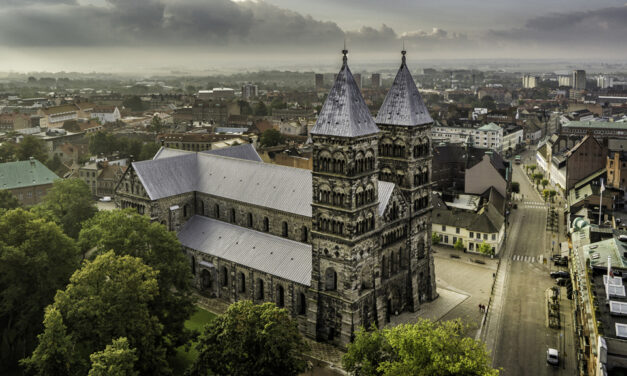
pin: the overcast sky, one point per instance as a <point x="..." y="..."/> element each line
<point x="128" y="35"/>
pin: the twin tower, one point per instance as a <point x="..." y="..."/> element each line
<point x="371" y="239"/>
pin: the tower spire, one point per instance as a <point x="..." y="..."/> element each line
<point x="344" y="52"/>
<point x="403" y="52"/>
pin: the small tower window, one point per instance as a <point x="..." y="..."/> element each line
<point x="266" y="224"/>
<point x="330" y="279"/>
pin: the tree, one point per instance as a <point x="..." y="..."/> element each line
<point x="244" y="107"/>
<point x="545" y="194"/>
<point x="544" y="183"/>
<point x="459" y="245"/>
<point x="117" y="359"/>
<point x="55" y="164"/>
<point x="261" y="109"/>
<point x="537" y="177"/>
<point x="251" y="339"/>
<point x="149" y="149"/>
<point x="133" y="103"/>
<point x="7" y="152"/>
<point x="532" y="168"/>
<point x="36" y="259"/>
<point x="128" y="233"/>
<point x="271" y="137"/>
<point x="515" y="187"/>
<point x="156" y="125"/>
<point x="107" y="298"/>
<point x="31" y="146"/>
<point x="423" y="348"/>
<point x="485" y="249"/>
<point x="487" y="102"/>
<point x="435" y="238"/>
<point x="8" y="200"/>
<point x="68" y="203"/>
<point x="552" y="194"/>
<point x="53" y="357"/>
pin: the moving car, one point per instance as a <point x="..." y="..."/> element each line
<point x="560" y="274"/>
<point x="552" y="357"/>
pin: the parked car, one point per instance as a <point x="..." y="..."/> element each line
<point x="560" y="274"/>
<point x="553" y="357"/>
<point x="105" y="199"/>
<point x="562" y="281"/>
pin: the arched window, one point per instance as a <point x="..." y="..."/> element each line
<point x="193" y="265"/>
<point x="284" y="229"/>
<point x="225" y="277"/>
<point x="304" y="234"/>
<point x="259" y="294"/>
<point x="330" y="279"/>
<point x="266" y="224"/>
<point x="232" y="219"/>
<point x="206" y="280"/>
<point x="301" y="304"/>
<point x="384" y="267"/>
<point x="202" y="207"/>
<point x="242" y="282"/>
<point x="280" y="296"/>
<point x="185" y="211"/>
<point x="250" y="219"/>
<point x="217" y="211"/>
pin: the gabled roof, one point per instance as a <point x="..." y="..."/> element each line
<point x="25" y="174"/>
<point x="489" y="127"/>
<point x="272" y="186"/>
<point x="345" y="113"/>
<point x="245" y="151"/>
<point x="267" y="253"/>
<point x="403" y="104"/>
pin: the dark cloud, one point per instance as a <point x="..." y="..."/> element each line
<point x="607" y="26"/>
<point x="22" y="3"/>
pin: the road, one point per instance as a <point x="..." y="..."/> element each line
<point x="522" y="335"/>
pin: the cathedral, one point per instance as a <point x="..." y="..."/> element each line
<point x="345" y="245"/>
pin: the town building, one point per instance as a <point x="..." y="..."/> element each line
<point x="492" y="171"/>
<point x="106" y="114"/>
<point x="564" y="81"/>
<point x="217" y="93"/>
<point x="194" y="141"/>
<point x="599" y="129"/>
<point x="249" y="91"/>
<point x="14" y="121"/>
<point x="342" y="246"/>
<point x="616" y="167"/>
<point x="375" y="80"/>
<point x="319" y="81"/>
<point x="29" y="181"/>
<point x="530" y="81"/>
<point x="579" y="80"/>
<point x="54" y="117"/>
<point x="102" y="176"/>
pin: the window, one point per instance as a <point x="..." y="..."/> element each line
<point x="457" y="230"/>
<point x="266" y="224"/>
<point x="280" y="296"/>
<point x="330" y="279"/>
<point x="193" y="265"/>
<point x="242" y="282"/>
<point x="284" y="229"/>
<point x="493" y="236"/>
<point x="301" y="304"/>
<point x="471" y="246"/>
<point x="443" y="228"/>
<point x="259" y="295"/>
<point x="478" y="236"/>
<point x="454" y="239"/>
<point x="217" y="211"/>
<point x="225" y="276"/>
<point x="446" y="239"/>
<point x="472" y="234"/>
<point x="185" y="211"/>
<point x="233" y="215"/>
<point x="304" y="234"/>
<point x="250" y="219"/>
<point x="485" y="236"/>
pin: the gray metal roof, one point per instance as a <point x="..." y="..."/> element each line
<point x="267" y="253"/>
<point x="164" y="152"/>
<point x="245" y="151"/>
<point x="403" y="104"/>
<point x="345" y="113"/>
<point x="287" y="189"/>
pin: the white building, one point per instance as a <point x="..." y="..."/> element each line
<point x="108" y="114"/>
<point x="603" y="81"/>
<point x="529" y="81"/>
<point x="564" y="81"/>
<point x="249" y="91"/>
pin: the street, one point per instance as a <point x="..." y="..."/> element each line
<point x="518" y="316"/>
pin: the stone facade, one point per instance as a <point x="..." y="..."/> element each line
<point x="370" y="241"/>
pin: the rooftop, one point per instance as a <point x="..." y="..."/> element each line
<point x="25" y="174"/>
<point x="596" y="125"/>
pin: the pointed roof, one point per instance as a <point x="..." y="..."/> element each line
<point x="345" y="113"/>
<point x="403" y="104"/>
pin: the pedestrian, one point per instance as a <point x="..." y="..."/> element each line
<point x="479" y="307"/>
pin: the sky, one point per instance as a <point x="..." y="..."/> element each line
<point x="206" y="35"/>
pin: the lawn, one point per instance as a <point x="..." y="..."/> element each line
<point x="185" y="358"/>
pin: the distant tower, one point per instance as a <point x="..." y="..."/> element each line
<point x="405" y="159"/>
<point x="375" y="80"/>
<point x="579" y="80"/>
<point x="319" y="81"/>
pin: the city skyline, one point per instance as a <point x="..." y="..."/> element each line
<point x="121" y="36"/>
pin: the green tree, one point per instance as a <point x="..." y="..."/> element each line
<point x="278" y="103"/>
<point x="134" y="148"/>
<point x="117" y="359"/>
<point x="487" y="102"/>
<point x="31" y="146"/>
<point x="552" y="194"/>
<point x="68" y="203"/>
<point x="515" y="187"/>
<point x="36" y="259"/>
<point x="156" y="125"/>
<point x="459" y="245"/>
<point x="544" y="183"/>
<point x="149" y="149"/>
<point x="134" y="103"/>
<point x="261" y="109"/>
<point x="244" y="107"/>
<point x="545" y="194"/>
<point x="537" y="177"/>
<point x="7" y="152"/>
<point x="271" y="137"/>
<point x="435" y="238"/>
<point x="128" y="233"/>
<point x="251" y="339"/>
<point x="107" y="298"/>
<point x="532" y="168"/>
<point x="8" y="200"/>
<point x="424" y="348"/>
<point x="55" y="164"/>
<point x="54" y="355"/>
<point x="485" y="249"/>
